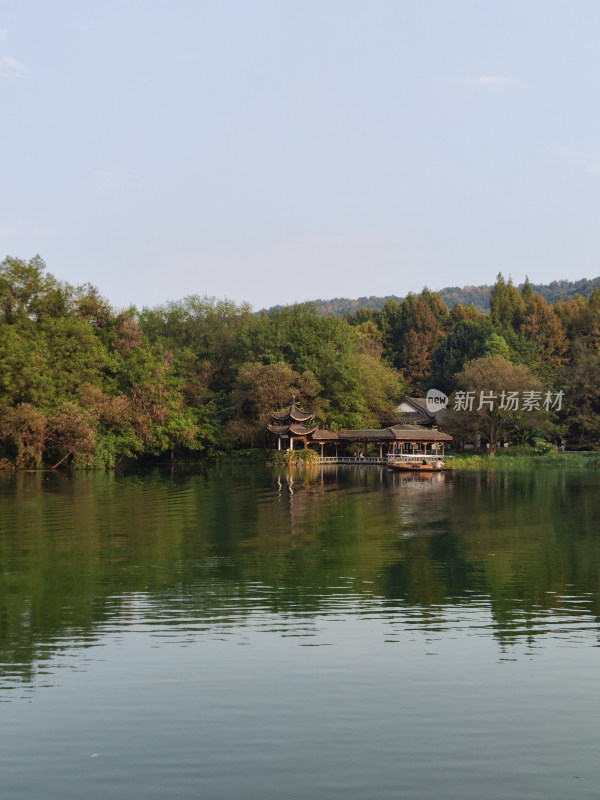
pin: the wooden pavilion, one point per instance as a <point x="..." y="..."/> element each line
<point x="396" y="440"/>
<point x="293" y="429"/>
<point x="292" y="426"/>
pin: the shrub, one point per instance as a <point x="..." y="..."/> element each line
<point x="293" y="456"/>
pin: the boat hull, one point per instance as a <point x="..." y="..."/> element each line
<point x="405" y="467"/>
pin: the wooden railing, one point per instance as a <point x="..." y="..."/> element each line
<point x="387" y="459"/>
<point x="351" y="460"/>
<point x="415" y="457"/>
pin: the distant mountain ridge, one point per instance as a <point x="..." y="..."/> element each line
<point x="479" y="296"/>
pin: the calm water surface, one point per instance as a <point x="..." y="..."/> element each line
<point x="239" y="633"/>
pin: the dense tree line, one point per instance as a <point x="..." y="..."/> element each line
<point x="523" y="341"/>
<point x="83" y="383"/>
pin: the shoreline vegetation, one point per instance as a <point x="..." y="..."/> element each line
<point x="522" y="458"/>
<point x="87" y="386"/>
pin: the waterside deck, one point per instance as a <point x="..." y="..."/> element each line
<point x="394" y="459"/>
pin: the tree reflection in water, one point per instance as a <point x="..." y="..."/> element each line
<point x="518" y="553"/>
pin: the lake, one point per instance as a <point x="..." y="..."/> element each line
<point x="246" y="632"/>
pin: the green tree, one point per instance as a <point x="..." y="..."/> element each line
<point x="495" y="345"/>
<point x="412" y="331"/>
<point x="506" y="305"/>
<point x="22" y="286"/>
<point x="581" y="412"/>
<point x="491" y="413"/>
<point x="262" y="388"/>
<point x="310" y="342"/>
<point x="466" y="342"/>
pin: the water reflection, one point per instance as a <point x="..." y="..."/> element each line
<point x="230" y="550"/>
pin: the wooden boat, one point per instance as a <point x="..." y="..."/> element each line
<point x="409" y="466"/>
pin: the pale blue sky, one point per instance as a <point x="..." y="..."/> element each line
<point x="280" y="151"/>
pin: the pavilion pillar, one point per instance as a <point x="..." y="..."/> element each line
<point x="321" y="449"/>
<point x="291" y="442"/>
<point x="380" y="451"/>
<point x="279" y="442"/>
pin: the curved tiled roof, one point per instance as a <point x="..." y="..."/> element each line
<point x="300" y="430"/>
<point x="294" y="419"/>
<point x="294" y="413"/>
<point x="321" y="435"/>
<point x="294" y="429"/>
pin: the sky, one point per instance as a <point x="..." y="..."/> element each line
<point x="275" y="151"/>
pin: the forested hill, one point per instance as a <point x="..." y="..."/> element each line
<point x="479" y="296"/>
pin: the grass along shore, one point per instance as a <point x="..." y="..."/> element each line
<point x="519" y="457"/>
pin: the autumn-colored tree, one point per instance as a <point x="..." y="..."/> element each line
<point x="492" y="402"/>
<point x="412" y="332"/>
<point x="460" y="313"/>
<point x="25" y="427"/>
<point x="542" y="325"/>
<point x="90" y="306"/>
<point x="116" y="437"/>
<point x="262" y="388"/>
<point x="71" y="433"/>
<point x="126" y="333"/>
